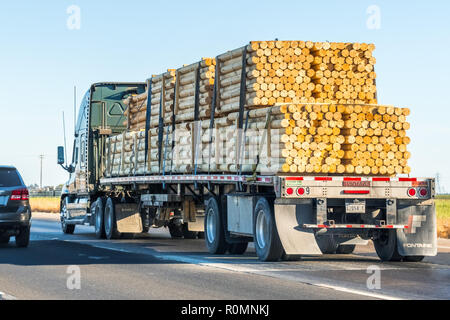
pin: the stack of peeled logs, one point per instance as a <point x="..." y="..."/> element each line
<point x="309" y="108"/>
<point x="162" y="99"/>
<point x="195" y="81"/>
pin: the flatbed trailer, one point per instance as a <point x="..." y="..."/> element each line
<point x="296" y="215"/>
<point x="284" y="215"/>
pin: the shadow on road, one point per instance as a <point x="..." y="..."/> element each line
<point x="53" y="252"/>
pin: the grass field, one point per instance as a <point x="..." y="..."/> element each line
<point x="44" y="205"/>
<point x="443" y="216"/>
<point x="442" y="211"/>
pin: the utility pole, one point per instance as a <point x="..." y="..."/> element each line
<point x="42" y="158"/>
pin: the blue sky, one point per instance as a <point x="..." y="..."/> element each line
<point x="41" y="60"/>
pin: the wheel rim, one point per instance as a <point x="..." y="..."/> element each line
<point x="63" y="214"/>
<point x="262" y="229"/>
<point x="211" y="226"/>
<point x="98" y="219"/>
<point x="107" y="221"/>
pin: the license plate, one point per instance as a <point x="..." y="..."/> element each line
<point x="355" y="207"/>
<point x="3" y="200"/>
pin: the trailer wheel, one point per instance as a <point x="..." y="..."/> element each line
<point x="386" y="246"/>
<point x="327" y="244"/>
<point x="110" y="220"/>
<point x="66" y="228"/>
<point x="237" y="248"/>
<point x="99" y="209"/>
<point x="267" y="241"/>
<point x="214" y="232"/>
<point x="345" y="249"/>
<point x="188" y="234"/>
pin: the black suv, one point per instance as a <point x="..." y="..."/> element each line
<point x="15" y="211"/>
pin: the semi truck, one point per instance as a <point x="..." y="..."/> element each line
<point x="284" y="215"/>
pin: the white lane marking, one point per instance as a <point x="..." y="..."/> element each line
<point x="266" y="272"/>
<point x="4" y="296"/>
<point x="357" y="292"/>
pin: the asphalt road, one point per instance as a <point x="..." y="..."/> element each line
<point x="153" y="266"/>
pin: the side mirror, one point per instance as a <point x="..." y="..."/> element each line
<point x="61" y="155"/>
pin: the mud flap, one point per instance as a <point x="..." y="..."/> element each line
<point x="295" y="240"/>
<point x="420" y="238"/>
<point x="128" y="218"/>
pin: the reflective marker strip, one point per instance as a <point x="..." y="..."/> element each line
<point x="353" y="226"/>
<point x="356" y="191"/>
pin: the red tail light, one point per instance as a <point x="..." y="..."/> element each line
<point x="289" y="191"/>
<point x="301" y="191"/>
<point x="412" y="192"/>
<point x="423" y="192"/>
<point x="19" y="194"/>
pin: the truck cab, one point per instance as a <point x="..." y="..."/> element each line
<point x="100" y="115"/>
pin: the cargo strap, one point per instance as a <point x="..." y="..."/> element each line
<point x="173" y="124"/>
<point x="161" y="125"/>
<point x="242" y="144"/>
<point x="242" y="101"/>
<point x="213" y="112"/>
<point x="148" y="116"/>
<point x="197" y="92"/>
<point x="197" y="126"/>
<point x="263" y="139"/>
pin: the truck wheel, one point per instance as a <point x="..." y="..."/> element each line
<point x="188" y="234"/>
<point x="99" y="209"/>
<point x="327" y="244"/>
<point x="214" y="232"/>
<point x="237" y="248"/>
<point x="386" y="246"/>
<point x="4" y="239"/>
<point x="345" y="249"/>
<point x="110" y="220"/>
<point x="66" y="228"/>
<point x="23" y="238"/>
<point x="176" y="231"/>
<point x="267" y="241"/>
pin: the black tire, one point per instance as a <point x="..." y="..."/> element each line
<point x="4" y="239"/>
<point x="386" y="246"/>
<point x="66" y="228"/>
<point x="413" y="258"/>
<point x="176" y="231"/>
<point x="23" y="238"/>
<point x="327" y="244"/>
<point x="237" y="248"/>
<point x="214" y="230"/>
<point x="267" y="241"/>
<point x="188" y="234"/>
<point x="346" y="249"/>
<point x="110" y="220"/>
<point x="99" y="208"/>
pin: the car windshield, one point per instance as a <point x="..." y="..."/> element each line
<point x="9" y="178"/>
